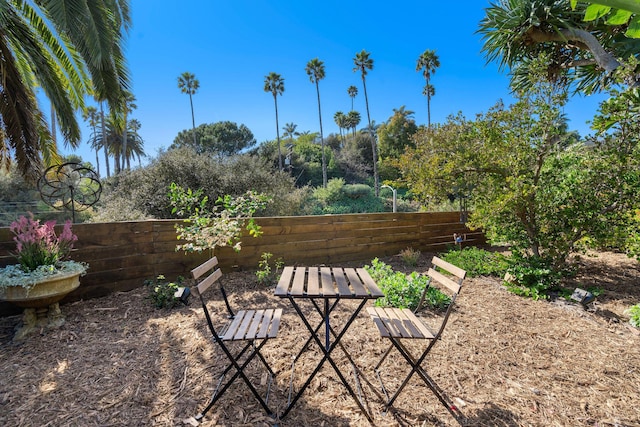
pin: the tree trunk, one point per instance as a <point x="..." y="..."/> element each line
<point x="324" y="161"/>
<point x="373" y="141"/>
<point x="104" y="140"/>
<point x="275" y="100"/>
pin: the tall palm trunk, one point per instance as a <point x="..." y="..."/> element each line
<point x="376" y="179"/>
<point x="193" y="121"/>
<point x="124" y="136"/>
<point x="275" y="100"/>
<point x="104" y="140"/>
<point x="324" y="161"/>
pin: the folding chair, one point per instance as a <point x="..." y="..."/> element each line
<point x="404" y="324"/>
<point x="246" y="326"/>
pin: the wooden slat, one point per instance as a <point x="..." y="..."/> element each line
<point x="456" y="271"/>
<point x="326" y="279"/>
<point x="341" y="282"/>
<point x="285" y="280"/>
<point x="453" y="286"/>
<point x="313" y="286"/>
<point x="275" y="324"/>
<point x="426" y="332"/>
<point x="242" y="329"/>
<point x="394" y="322"/>
<point x="208" y="265"/>
<point x="208" y="281"/>
<point x="233" y="327"/>
<point x="375" y="316"/>
<point x="371" y="285"/>
<point x="356" y="284"/>
<point x="298" y="281"/>
<point x="258" y="317"/>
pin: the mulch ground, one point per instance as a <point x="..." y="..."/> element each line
<point x="504" y="360"/>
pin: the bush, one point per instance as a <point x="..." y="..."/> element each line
<point x="403" y="291"/>
<point x="477" y="262"/>
<point x="410" y="256"/>
<point x="531" y="276"/>
<point x="266" y="273"/>
<point x="634" y="314"/>
<point x="162" y="292"/>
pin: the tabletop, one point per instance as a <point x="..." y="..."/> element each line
<point x="327" y="282"/>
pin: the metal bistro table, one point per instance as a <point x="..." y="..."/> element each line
<point x="324" y="287"/>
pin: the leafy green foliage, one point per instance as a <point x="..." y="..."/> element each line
<point x="162" y="292"/>
<point x="634" y="315"/>
<point x="403" y="291"/>
<point x="477" y="262"/>
<point x="341" y="198"/>
<point x="221" y="226"/>
<point x="531" y="276"/>
<point x="222" y="138"/>
<point x="267" y="272"/>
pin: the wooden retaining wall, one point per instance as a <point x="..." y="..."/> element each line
<point x="123" y="255"/>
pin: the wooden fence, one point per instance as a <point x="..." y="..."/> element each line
<point x="122" y="255"/>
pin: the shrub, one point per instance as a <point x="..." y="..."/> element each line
<point x="531" y="276"/>
<point x="634" y="314"/>
<point x="266" y="274"/>
<point x="162" y="292"/>
<point x="403" y="291"/>
<point x="410" y="256"/>
<point x="477" y="262"/>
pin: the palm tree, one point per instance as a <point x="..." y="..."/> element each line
<point x="91" y="115"/>
<point x="67" y="48"/>
<point x="427" y="63"/>
<point x="290" y="131"/>
<point x="341" y="120"/>
<point x="188" y="84"/>
<point x="128" y="107"/>
<point x="363" y="63"/>
<point x="274" y="83"/>
<point x="315" y="71"/>
<point x="353" y="120"/>
<point x="353" y="92"/>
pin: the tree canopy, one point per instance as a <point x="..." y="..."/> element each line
<point x="223" y="138"/>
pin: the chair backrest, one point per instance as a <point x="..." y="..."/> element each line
<point x="206" y="275"/>
<point x="452" y="282"/>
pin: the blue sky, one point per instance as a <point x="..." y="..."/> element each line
<point x="232" y="45"/>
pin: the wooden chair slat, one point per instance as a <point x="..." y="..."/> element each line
<point x="233" y="327"/>
<point x="264" y="324"/>
<point x="342" y="282"/>
<point x="371" y="285"/>
<point x="208" y="281"/>
<point x="410" y="323"/>
<point x="204" y="267"/>
<point x="242" y="330"/>
<point x="356" y="283"/>
<point x="375" y="316"/>
<point x="327" y="281"/>
<point x="275" y="324"/>
<point x="394" y="324"/>
<point x="256" y="322"/>
<point x="313" y="285"/>
<point x="285" y="280"/>
<point x="453" y="286"/>
<point x="455" y="270"/>
<point x="425" y="332"/>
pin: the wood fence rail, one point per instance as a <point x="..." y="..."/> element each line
<point x="122" y="255"/>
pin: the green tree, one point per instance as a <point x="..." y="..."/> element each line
<point x="187" y="83"/>
<point x="353" y="120"/>
<point x="353" y="92"/>
<point x="274" y="83"/>
<point x="128" y="106"/>
<point x="341" y="120"/>
<point x="224" y="138"/>
<point x="428" y="62"/>
<point x="621" y="12"/>
<point x="315" y="71"/>
<point x="396" y="134"/>
<point x="290" y="131"/>
<point x="580" y="53"/>
<point x="67" y="48"/>
<point x="362" y="63"/>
